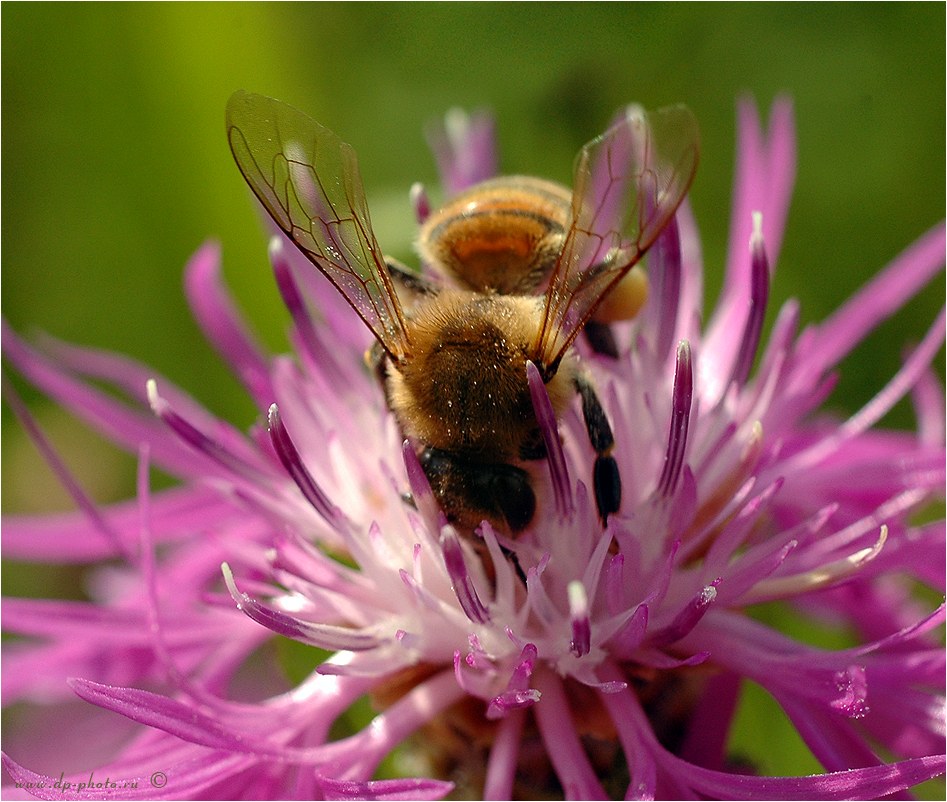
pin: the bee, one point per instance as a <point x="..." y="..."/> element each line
<point x="521" y="266"/>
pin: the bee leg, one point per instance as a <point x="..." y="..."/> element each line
<point x="408" y="284"/>
<point x="601" y="338"/>
<point x="606" y="479"/>
<point x="515" y="562"/>
<point x="375" y="360"/>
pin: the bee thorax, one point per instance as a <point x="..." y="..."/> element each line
<point x="464" y="389"/>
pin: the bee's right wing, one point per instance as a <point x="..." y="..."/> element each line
<point x="628" y="184"/>
<point x="308" y="180"/>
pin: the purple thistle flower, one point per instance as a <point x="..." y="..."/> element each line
<point x="574" y="660"/>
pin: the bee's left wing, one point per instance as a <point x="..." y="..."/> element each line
<point x="628" y="184"/>
<point x="308" y="180"/>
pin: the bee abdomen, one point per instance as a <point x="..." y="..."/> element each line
<point x="502" y="235"/>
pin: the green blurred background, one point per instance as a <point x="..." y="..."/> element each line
<point x="116" y="167"/>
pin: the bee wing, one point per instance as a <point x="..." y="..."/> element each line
<point x="628" y="184"/>
<point x="308" y="180"/>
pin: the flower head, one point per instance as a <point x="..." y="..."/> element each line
<point x="578" y="659"/>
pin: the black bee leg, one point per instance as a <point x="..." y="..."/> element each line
<point x="409" y="284"/>
<point x="515" y="562"/>
<point x="606" y="480"/>
<point x="602" y="339"/>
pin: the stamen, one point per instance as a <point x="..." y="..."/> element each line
<point x="292" y="298"/>
<point x="759" y="295"/>
<point x="614" y="584"/>
<point x="630" y="634"/>
<point x="459" y="672"/>
<point x="421" y="595"/>
<point x="687" y="619"/>
<point x="511" y="700"/>
<point x="461" y="580"/>
<point x="477" y="657"/>
<point x="289" y="456"/>
<point x="203" y="443"/>
<point x="579" y="616"/>
<point x="518" y="694"/>
<point x="325" y="636"/>
<point x="421" y="493"/>
<point x="506" y="566"/>
<point x="680" y="419"/>
<point x="826" y="575"/>
<point x="555" y="458"/>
